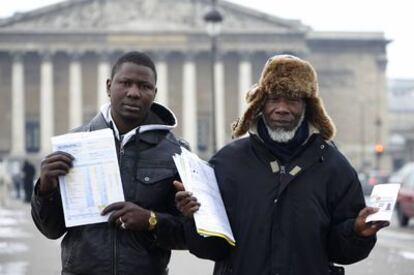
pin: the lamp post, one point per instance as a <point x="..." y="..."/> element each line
<point x="213" y="20"/>
<point x="362" y="134"/>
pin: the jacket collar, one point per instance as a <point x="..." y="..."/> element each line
<point x="159" y="118"/>
<point x="315" y="150"/>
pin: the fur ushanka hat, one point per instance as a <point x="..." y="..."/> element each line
<point x="289" y="76"/>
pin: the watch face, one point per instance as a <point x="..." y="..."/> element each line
<point x="152" y="220"/>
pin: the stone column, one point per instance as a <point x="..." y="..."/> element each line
<point x="46" y="103"/>
<point x="75" y="91"/>
<point x="245" y="80"/>
<point x="220" y="115"/>
<point x="190" y="102"/>
<point x="162" y="79"/>
<point x="18" y="107"/>
<point x="104" y="72"/>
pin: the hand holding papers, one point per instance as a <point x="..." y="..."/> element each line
<point x="94" y="181"/>
<point x="198" y="177"/>
<point x="383" y="196"/>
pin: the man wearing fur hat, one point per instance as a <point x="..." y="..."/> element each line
<point x="294" y="202"/>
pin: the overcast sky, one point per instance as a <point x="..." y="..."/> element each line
<point x="394" y="18"/>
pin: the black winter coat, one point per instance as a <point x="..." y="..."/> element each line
<point x="287" y="220"/>
<point x="147" y="172"/>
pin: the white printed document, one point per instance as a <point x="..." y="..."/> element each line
<point x="383" y="196"/>
<point x="94" y="181"/>
<point x="198" y="177"/>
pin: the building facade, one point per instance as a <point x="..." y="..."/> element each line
<point x="54" y="63"/>
<point x="401" y="113"/>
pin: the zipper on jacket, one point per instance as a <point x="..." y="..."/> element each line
<point x="282" y="170"/>
<point x="121" y="154"/>
<point x="115" y="261"/>
<point x="121" y="150"/>
<point x="115" y="241"/>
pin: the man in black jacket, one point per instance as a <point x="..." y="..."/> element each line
<point x="294" y="202"/>
<point x="142" y="230"/>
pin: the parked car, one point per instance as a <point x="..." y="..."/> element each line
<point x="370" y="179"/>
<point x="397" y="176"/>
<point x="405" y="199"/>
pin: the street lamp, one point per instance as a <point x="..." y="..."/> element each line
<point x="379" y="148"/>
<point x="213" y="20"/>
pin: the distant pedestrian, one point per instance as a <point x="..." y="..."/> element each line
<point x="5" y="183"/>
<point x="29" y="172"/>
<point x="16" y="176"/>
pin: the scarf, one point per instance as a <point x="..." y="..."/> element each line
<point x="283" y="151"/>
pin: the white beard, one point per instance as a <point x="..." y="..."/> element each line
<point x="281" y="135"/>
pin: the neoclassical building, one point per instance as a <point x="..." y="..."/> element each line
<point x="54" y="62"/>
<point x="401" y="112"/>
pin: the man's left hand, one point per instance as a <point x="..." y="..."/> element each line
<point x="132" y="216"/>
<point x="364" y="229"/>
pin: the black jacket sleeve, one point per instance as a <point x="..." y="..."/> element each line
<point x="169" y="233"/>
<point x="344" y="245"/>
<point x="47" y="213"/>
<point x="211" y="248"/>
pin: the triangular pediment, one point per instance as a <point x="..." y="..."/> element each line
<point x="144" y="16"/>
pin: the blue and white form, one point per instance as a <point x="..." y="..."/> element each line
<point x="94" y="180"/>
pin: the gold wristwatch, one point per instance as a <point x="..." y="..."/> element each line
<point x="152" y="221"/>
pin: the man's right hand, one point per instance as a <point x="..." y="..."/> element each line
<point x="54" y="165"/>
<point x="185" y="202"/>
